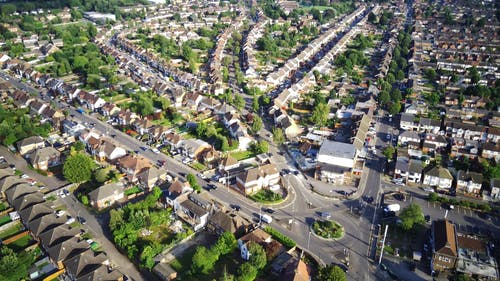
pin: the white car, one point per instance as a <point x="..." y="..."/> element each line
<point x="155" y="150"/>
<point x="202" y="176"/>
<point x="60" y="213"/>
<point x="24" y="176"/>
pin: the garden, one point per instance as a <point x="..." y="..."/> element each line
<point x="143" y="229"/>
<point x="328" y="229"/>
<point x="221" y="261"/>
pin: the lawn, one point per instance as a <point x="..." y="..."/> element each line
<point x="21" y="243"/>
<point x="242" y="155"/>
<point x="11" y="231"/>
<point x="327" y="229"/>
<point x="133" y="190"/>
<point x="3" y="206"/>
<point x="4" y="219"/>
<point x="198" y="166"/>
<point x="266" y="196"/>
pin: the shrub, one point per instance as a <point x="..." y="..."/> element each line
<point x="283" y="239"/>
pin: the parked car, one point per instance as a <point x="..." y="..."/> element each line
<point x="70" y="220"/>
<point x="155" y="150"/>
<point x="60" y="213"/>
<point x="82" y="220"/>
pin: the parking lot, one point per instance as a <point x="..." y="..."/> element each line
<point x="466" y="220"/>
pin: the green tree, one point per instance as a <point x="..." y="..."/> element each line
<point x="101" y="175"/>
<point x="411" y="216"/>
<point x="246" y="272"/>
<point x="226" y="243"/>
<point x="256" y="124"/>
<point x="239" y="102"/>
<point x="193" y="182"/>
<point x="474" y="75"/>
<point x="204" y="260"/>
<point x="85" y="200"/>
<point x="78" y="146"/>
<point x="78" y="168"/>
<point x="433" y="197"/>
<point x="255" y="104"/>
<point x="389" y="152"/>
<point x="257" y="255"/>
<point x="394" y="108"/>
<point x="320" y="114"/>
<point x="278" y="137"/>
<point x="331" y="273"/>
<point x="8" y="260"/>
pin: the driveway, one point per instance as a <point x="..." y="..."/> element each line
<point x="52" y="183"/>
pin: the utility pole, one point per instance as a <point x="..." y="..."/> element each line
<point x="383" y="244"/>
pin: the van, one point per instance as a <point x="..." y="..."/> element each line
<point x="266" y="218"/>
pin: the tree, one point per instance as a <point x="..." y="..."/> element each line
<point x="78" y="146"/>
<point x="226" y="243"/>
<point x="101" y="175"/>
<point x="204" y="260"/>
<point x="85" y="200"/>
<point x="255" y="104"/>
<point x="257" y="255"/>
<point x="239" y="102"/>
<point x="430" y="74"/>
<point x="256" y="124"/>
<point x="389" y="152"/>
<point x="193" y="182"/>
<point x="474" y="75"/>
<point x="246" y="272"/>
<point x="8" y="260"/>
<point x="411" y="216"/>
<point x="78" y="168"/>
<point x="278" y="137"/>
<point x="331" y="273"/>
<point x="394" y="108"/>
<point x="320" y="114"/>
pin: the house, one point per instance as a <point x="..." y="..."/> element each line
<point x="408" y="122"/>
<point x="475" y="257"/>
<point x="165" y="271"/>
<point x="29" y="144"/>
<point x="402" y="168"/>
<point x="193" y="214"/>
<point x="27" y="201"/>
<point x="105" y="150"/>
<point x="335" y="161"/>
<point x="254" y="179"/>
<point x="429" y="125"/>
<point x="228" y="164"/>
<point x="101" y="272"/>
<point x="152" y="176"/>
<point x="495" y="189"/>
<point x="106" y="195"/>
<point x="174" y="192"/>
<point x="192" y="148"/>
<point x="66" y="250"/>
<point x="45" y="223"/>
<point x="258" y="236"/>
<point x="415" y="168"/>
<point x="19" y="190"/>
<point x="34" y="212"/>
<point x="8" y="182"/>
<point x="443" y="246"/>
<point x="57" y="235"/>
<point x="296" y="270"/>
<point x="288" y="125"/>
<point x="132" y="166"/>
<point x="469" y="182"/>
<point x="85" y="263"/>
<point x="439" y="177"/>
<point x="491" y="151"/>
<point x="44" y="158"/>
<point x="221" y="222"/>
<point x="72" y="128"/>
<point x="433" y="142"/>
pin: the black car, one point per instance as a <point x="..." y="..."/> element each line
<point x="235" y="207"/>
<point x="369" y="199"/>
<point x="389" y="214"/>
<point x="427" y="218"/>
<point x="144" y="148"/>
<point x="82" y="220"/>
<point x="268" y="210"/>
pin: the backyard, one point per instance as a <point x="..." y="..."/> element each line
<point x="11" y="230"/>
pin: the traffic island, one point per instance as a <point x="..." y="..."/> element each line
<point x="327" y="229"/>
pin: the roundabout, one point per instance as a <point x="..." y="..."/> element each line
<point x="327" y="230"/>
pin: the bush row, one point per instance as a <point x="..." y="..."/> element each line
<point x="283" y="239"/>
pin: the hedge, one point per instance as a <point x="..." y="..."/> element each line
<point x="433" y="197"/>
<point x="283" y="239"/>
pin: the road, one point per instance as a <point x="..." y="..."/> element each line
<point x="357" y="228"/>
